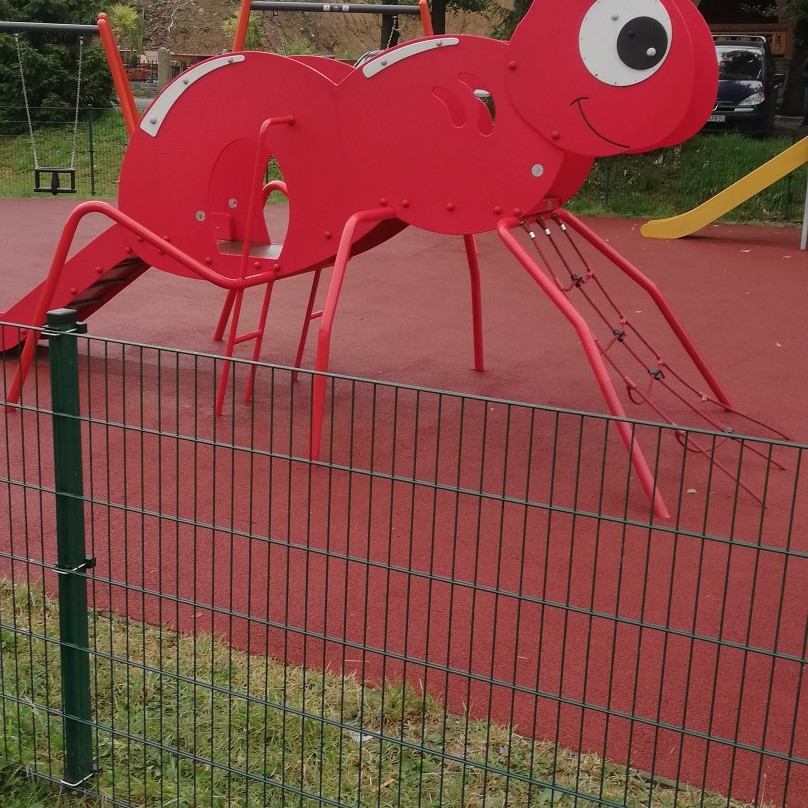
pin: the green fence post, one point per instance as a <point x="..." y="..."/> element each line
<point x="61" y="329"/>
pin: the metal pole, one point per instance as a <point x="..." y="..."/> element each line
<point x="92" y="150"/>
<point x="62" y="328"/>
<point x="804" y="240"/>
<point x="48" y="28"/>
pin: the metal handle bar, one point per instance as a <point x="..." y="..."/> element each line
<point x="48" y="27"/>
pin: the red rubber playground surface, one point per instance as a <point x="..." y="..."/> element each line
<point x="404" y="316"/>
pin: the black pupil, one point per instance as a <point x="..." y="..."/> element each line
<point x="642" y="43"/>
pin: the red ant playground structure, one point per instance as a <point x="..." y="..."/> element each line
<point x="191" y="193"/>
<point x="458" y="136"/>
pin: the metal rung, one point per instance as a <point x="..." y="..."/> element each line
<point x="79" y="302"/>
<point x="247" y="337"/>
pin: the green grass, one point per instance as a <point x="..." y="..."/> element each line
<point x="320" y="733"/>
<point x="54" y="144"/>
<point x="671" y="181"/>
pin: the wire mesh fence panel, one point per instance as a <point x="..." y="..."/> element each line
<point x="671" y="181"/>
<point x="463" y="601"/>
<point x="95" y="153"/>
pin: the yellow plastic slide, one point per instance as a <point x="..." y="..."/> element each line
<point x="753" y="183"/>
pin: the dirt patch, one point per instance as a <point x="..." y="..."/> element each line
<point x="190" y="26"/>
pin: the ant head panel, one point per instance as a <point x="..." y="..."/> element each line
<point x="602" y="77"/>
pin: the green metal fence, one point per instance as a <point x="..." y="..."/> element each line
<point x="99" y="146"/>
<point x="465" y="602"/>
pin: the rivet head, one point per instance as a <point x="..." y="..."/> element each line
<point x="450" y="206"/>
<point x="153" y="120"/>
<point x="185" y="82"/>
<point x="276" y="267"/>
<point x="439" y="43"/>
<point x="517" y="211"/>
<point x="166" y="238"/>
<point x="384" y="62"/>
<point x="555" y="134"/>
<point x="383" y="201"/>
<point x="232" y="202"/>
<point x="511" y="65"/>
<point x="405" y="203"/>
<point x="99" y="270"/>
<point x="230" y="60"/>
<point x="200" y="215"/>
<point x="615" y="17"/>
<point x="327" y="234"/>
<point x="208" y="260"/>
<point x="537" y="170"/>
<point x="257" y="264"/>
<point x="73" y="290"/>
<point x="650" y="53"/>
<point x="128" y="251"/>
<point x="497" y="209"/>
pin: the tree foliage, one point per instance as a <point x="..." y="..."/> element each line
<point x="252" y="40"/>
<point x="438" y="10"/>
<point x="510" y="18"/>
<point x="129" y="27"/>
<point x="50" y="62"/>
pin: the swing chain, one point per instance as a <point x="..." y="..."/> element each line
<point x="78" y="102"/>
<point x="25" y="99"/>
<point x="394" y="29"/>
<point x="28" y="106"/>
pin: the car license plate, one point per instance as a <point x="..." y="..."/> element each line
<point x="717" y="119"/>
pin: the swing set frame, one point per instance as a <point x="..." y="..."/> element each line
<point x="103" y="30"/>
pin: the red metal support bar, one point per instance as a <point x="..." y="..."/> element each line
<point x="116" y="68"/>
<point x="241" y="25"/>
<point x="653" y="291"/>
<point x="327" y="318"/>
<point x="275" y="185"/>
<point x="426" y="19"/>
<point x="137" y="229"/>
<point x="593" y="354"/>
<point x="476" y="301"/>
<point x="304" y="333"/>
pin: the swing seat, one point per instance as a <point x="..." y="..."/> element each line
<point x="54" y="186"/>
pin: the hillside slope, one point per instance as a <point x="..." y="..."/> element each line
<point x="197" y="26"/>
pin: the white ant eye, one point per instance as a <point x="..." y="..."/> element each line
<point x="624" y="42"/>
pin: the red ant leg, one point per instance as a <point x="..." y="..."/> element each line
<point x="476" y="304"/>
<point x="590" y="346"/>
<point x="327" y="319"/>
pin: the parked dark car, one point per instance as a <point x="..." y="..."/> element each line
<point x="747" y="84"/>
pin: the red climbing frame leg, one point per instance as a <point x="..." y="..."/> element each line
<point x="476" y="304"/>
<point x="304" y="333"/>
<point x="259" y="339"/>
<point x="238" y="297"/>
<point x="651" y="288"/>
<point x="593" y="354"/>
<point x="327" y="319"/>
<point x="224" y="316"/>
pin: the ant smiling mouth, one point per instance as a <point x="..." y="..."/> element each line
<point x="586" y="121"/>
